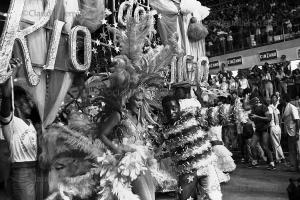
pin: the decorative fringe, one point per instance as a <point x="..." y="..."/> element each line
<point x="110" y="176"/>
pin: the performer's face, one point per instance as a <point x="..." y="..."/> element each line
<point x="136" y="101"/>
<point x="173" y="110"/>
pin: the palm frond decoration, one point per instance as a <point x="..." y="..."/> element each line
<point x="158" y="59"/>
<point x="134" y="37"/>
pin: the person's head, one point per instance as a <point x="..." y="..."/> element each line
<point x="234" y="94"/>
<point x="224" y="79"/>
<point x="203" y="62"/>
<point x="285" y="99"/>
<point x="221" y="76"/>
<point x="135" y="102"/>
<point x="246" y="91"/>
<point x="171" y="108"/>
<point x="274" y="99"/>
<point x="268" y="101"/>
<point x="254" y="102"/>
<point x="180" y="93"/>
<point x="23" y="102"/>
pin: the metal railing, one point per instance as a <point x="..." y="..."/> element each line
<point x="242" y="41"/>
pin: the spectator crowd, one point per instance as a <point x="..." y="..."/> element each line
<point x="235" y="25"/>
<point x="269" y="96"/>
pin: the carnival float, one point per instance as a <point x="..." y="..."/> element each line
<point x="68" y="40"/>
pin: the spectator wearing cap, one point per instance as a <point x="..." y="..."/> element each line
<point x="261" y="117"/>
<point x="290" y="118"/>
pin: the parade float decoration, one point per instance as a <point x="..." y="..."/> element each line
<point x="185" y="17"/>
<point x="106" y="175"/>
<point x="83" y="168"/>
<point x="191" y="144"/>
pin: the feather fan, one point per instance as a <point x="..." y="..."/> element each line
<point x="134" y="37"/>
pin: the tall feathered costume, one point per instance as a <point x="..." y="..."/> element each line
<point x="105" y="176"/>
<point x="135" y="71"/>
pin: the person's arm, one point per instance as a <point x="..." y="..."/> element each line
<point x="248" y="86"/>
<point x="6" y="89"/>
<point x="6" y="103"/>
<point x="107" y="128"/>
<point x="198" y="94"/>
<point x="267" y="118"/>
<point x="269" y="77"/>
<point x="296" y="119"/>
<point x="6" y="112"/>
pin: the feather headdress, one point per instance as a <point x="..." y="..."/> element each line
<point x="135" y="72"/>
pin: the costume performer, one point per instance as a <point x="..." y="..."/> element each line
<point x="219" y="115"/>
<point x="124" y="167"/>
<point x="189" y="147"/>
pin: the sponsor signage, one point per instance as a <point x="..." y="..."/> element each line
<point x="235" y="61"/>
<point x="268" y="55"/>
<point x="214" y="65"/>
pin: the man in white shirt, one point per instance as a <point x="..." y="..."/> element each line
<point x="291" y="118"/>
<point x="16" y="118"/>
<point x="275" y="130"/>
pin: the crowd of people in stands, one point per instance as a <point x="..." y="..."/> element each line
<point x="245" y="24"/>
<point x="270" y="97"/>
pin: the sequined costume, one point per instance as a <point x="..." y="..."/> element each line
<point x="189" y="146"/>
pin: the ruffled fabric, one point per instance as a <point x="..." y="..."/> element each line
<point x="224" y="162"/>
<point x="223" y="177"/>
<point x="213" y="184"/>
<point x="189" y="103"/>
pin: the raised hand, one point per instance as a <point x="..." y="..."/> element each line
<point x="6" y="87"/>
